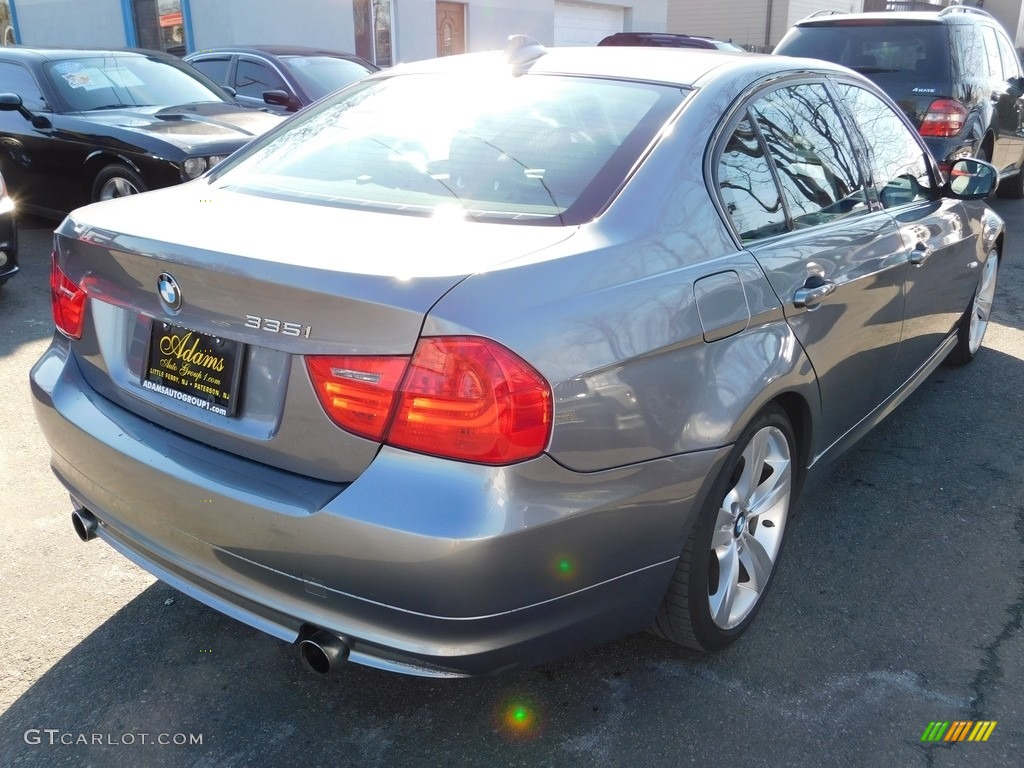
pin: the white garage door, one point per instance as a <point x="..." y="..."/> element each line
<point x="584" y="24"/>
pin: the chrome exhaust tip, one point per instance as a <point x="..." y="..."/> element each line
<point x="84" y="523"/>
<point x="323" y="652"/>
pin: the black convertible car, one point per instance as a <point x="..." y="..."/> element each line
<point x="77" y="126"/>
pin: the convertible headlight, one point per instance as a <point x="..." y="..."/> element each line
<point x="193" y="167"/>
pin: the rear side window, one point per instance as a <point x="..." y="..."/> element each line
<point x="812" y="153"/>
<point x="790" y="163"/>
<point x="1011" y="64"/>
<point x="748" y="189"/>
<point x="993" y="66"/>
<point x="215" y="69"/>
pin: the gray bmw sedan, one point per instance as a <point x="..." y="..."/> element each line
<point x="486" y="360"/>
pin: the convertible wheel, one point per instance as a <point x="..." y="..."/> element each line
<point x="116" y="181"/>
<point x="728" y="562"/>
<point x="975" y="319"/>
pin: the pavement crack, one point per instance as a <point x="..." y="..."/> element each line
<point x="991" y="671"/>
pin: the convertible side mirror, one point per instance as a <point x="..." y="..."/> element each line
<point x="971" y="179"/>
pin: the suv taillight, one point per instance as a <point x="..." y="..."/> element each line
<point x="945" y="117"/>
<point x="67" y="301"/>
<point x="460" y="397"/>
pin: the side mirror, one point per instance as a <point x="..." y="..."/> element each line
<point x="278" y="98"/>
<point x="971" y="179"/>
<point x="11" y="102"/>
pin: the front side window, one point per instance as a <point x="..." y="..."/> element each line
<point x="487" y="145"/>
<point x="812" y="153"/>
<point x="899" y="168"/>
<point x="253" y="78"/>
<point x="15" y="78"/>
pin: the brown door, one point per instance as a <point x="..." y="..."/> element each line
<point x="451" y="28"/>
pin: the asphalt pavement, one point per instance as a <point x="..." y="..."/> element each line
<point x="898" y="603"/>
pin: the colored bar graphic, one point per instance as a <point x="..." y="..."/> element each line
<point x="958" y="730"/>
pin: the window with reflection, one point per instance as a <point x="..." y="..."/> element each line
<point x="747" y="186"/>
<point x="899" y="169"/>
<point x="813" y="154"/>
<point x="373" y="31"/>
<point x="7" y="36"/>
<point x="159" y="25"/>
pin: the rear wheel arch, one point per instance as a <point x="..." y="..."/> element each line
<point x="799" y="413"/>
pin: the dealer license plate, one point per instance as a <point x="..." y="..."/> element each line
<point x="195" y="368"/>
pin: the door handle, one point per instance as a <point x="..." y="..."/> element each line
<point x="815" y="289"/>
<point x="920" y="254"/>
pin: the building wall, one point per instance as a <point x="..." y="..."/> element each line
<point x="70" y="23"/>
<point x="744" y="21"/>
<point x="319" y="23"/>
<point x="1009" y="14"/>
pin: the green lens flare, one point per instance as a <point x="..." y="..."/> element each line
<point x="519" y="720"/>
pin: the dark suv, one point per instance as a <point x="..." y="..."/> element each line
<point x="955" y="73"/>
<point x="668" y="40"/>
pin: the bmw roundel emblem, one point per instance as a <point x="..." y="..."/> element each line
<point x="170" y="293"/>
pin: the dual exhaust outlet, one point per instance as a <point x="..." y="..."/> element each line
<point x="322" y="651"/>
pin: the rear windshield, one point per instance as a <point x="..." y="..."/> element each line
<point x="915" y="51"/>
<point x="535" y="148"/>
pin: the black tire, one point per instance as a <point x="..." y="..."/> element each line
<point x="974" y="322"/>
<point x="686" y="614"/>
<point x="116" y="180"/>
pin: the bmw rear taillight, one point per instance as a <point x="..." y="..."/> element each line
<point x="357" y="392"/>
<point x="945" y="117"/>
<point x="67" y="301"/>
<point x="460" y="397"/>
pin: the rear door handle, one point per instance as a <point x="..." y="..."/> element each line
<point x="920" y="254"/>
<point x="814" y="292"/>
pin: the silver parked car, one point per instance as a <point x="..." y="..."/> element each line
<point x="489" y="359"/>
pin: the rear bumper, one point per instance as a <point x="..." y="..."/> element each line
<point x="425" y="566"/>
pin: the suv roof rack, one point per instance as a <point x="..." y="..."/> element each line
<point x="826" y="12"/>
<point x="964" y="9"/>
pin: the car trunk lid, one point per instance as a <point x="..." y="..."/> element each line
<point x="268" y="282"/>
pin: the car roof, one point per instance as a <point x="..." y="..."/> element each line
<point x="60" y="54"/>
<point x="276" y="50"/>
<point x="890" y="17"/>
<point x="676" y="66"/>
